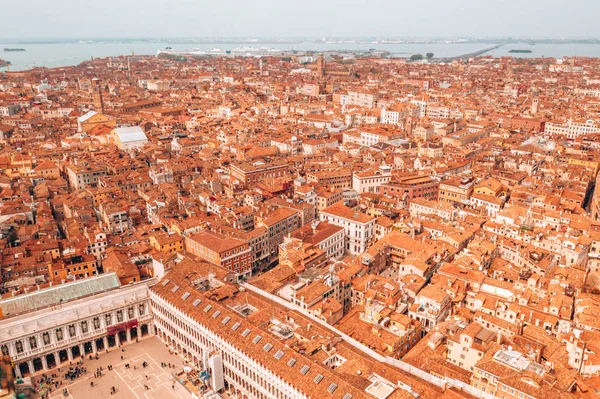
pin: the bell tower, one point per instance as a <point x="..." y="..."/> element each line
<point x="535" y="102"/>
<point x="320" y="66"/>
<point x="97" y="95"/>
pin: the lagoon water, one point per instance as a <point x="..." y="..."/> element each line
<point x="72" y="53"/>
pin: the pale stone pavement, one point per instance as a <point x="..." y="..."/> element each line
<point x="128" y="382"/>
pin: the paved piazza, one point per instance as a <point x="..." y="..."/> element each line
<point x="129" y="382"/>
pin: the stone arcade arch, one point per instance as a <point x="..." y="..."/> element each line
<point x="122" y="336"/>
<point x="24" y="369"/>
<point x="37" y="364"/>
<point x="51" y="360"/>
<point x="75" y="351"/>
<point x="100" y="344"/>
<point x="63" y="356"/>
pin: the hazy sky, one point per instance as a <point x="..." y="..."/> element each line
<point x="207" y="18"/>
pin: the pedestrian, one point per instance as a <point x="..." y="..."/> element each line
<point x="173" y="386"/>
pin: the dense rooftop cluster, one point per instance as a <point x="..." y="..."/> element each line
<point x="441" y="214"/>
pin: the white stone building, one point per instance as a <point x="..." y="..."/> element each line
<point x="129" y="138"/>
<point x="358" y="227"/>
<point x="46" y="328"/>
<point x="370" y="180"/>
<point x="572" y="129"/>
<point x="364" y="99"/>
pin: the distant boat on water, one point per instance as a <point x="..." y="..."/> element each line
<point x="14" y="49"/>
<point x="520" y="51"/>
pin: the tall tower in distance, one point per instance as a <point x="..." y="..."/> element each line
<point x="320" y="66"/>
<point x="535" y="102"/>
<point x="97" y="95"/>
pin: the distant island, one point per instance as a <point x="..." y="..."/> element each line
<point x="4" y="63"/>
<point x="14" y="49"/>
<point x="520" y="51"/>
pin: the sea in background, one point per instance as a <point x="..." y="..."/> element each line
<point x="73" y="53"/>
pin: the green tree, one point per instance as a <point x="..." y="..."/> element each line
<point x="429" y="55"/>
<point x="416" y="57"/>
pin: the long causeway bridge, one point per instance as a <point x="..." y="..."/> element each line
<point x="474" y="54"/>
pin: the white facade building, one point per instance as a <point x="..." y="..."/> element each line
<point x="422" y="107"/>
<point x="129" y="138"/>
<point x="370" y="180"/>
<point x="157" y="85"/>
<point x="326" y="236"/>
<point x="333" y="245"/>
<point x="397" y="114"/>
<point x="572" y="129"/>
<point x="360" y="98"/>
<point x="358" y="227"/>
<point x="40" y="332"/>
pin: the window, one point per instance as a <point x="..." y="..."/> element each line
<point x="84" y="327"/>
<point x="72" y="330"/>
<point x="59" y="334"/>
<point x="108" y="319"/>
<point x="46" y="338"/>
<point x="96" y="323"/>
<point x="32" y="343"/>
<point x="332" y="387"/>
<point x="4" y="350"/>
<point x="142" y="309"/>
<point x="19" y="346"/>
<point x="119" y="316"/>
